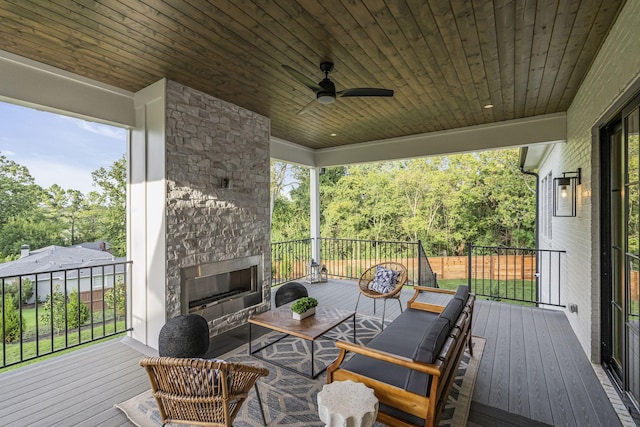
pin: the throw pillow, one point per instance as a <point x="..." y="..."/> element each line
<point x="384" y="280"/>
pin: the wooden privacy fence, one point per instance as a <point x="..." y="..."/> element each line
<point x="449" y="267"/>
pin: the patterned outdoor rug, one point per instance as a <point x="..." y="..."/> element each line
<point x="289" y="399"/>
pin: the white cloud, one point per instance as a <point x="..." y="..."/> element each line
<point x="7" y="153"/>
<point x="104" y="130"/>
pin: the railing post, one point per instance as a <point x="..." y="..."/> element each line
<point x="469" y="264"/>
<point x="420" y="263"/>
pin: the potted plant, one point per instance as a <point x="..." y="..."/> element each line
<point x="304" y="307"/>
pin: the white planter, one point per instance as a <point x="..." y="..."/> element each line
<point x="304" y="315"/>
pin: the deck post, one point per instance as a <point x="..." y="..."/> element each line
<point x="314" y="195"/>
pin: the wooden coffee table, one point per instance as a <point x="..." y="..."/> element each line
<point x="309" y="329"/>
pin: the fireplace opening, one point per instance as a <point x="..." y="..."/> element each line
<point x="219" y="288"/>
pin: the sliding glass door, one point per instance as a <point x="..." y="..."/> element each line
<point x="621" y="248"/>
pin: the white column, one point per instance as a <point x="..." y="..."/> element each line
<point x="147" y="213"/>
<point x="314" y="195"/>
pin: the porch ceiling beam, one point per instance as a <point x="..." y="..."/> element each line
<point x="33" y="84"/>
<point x="508" y="134"/>
<point x="531" y="131"/>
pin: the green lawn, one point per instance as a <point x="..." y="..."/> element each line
<point x="13" y="352"/>
<point x="501" y="290"/>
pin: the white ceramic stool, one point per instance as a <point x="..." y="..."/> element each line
<point x="347" y="404"/>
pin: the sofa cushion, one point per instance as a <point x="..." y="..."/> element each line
<point x="462" y="293"/>
<point x="427" y="352"/>
<point x="401" y="337"/>
<point x="452" y="311"/>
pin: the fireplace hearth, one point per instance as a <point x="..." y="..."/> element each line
<point x="217" y="289"/>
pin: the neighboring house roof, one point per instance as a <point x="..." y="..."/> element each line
<point x="54" y="258"/>
<point x="98" y="246"/>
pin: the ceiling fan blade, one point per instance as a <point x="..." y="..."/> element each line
<point x="303" y="79"/>
<point x="365" y="91"/>
<point x="310" y="106"/>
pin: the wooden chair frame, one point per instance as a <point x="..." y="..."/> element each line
<point x="201" y="392"/>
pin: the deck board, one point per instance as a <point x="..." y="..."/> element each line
<point x="482" y="389"/>
<point x="539" y="403"/>
<point x="532" y="369"/>
<point x="558" y="395"/>
<point x="499" y="389"/>
<point x="518" y="381"/>
<point x="588" y="409"/>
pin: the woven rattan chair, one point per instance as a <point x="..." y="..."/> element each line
<point x="367" y="277"/>
<point x="201" y="392"/>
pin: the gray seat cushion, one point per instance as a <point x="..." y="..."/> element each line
<point x="427" y="352"/>
<point x="401" y="337"/>
<point x="462" y="293"/>
<point x="452" y="311"/>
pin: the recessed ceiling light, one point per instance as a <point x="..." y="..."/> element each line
<point x="488" y="106"/>
<point x="334" y="134"/>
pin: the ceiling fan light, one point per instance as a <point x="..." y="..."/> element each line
<point x="326" y="98"/>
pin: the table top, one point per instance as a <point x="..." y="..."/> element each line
<point x="310" y="328"/>
<point x="347" y="400"/>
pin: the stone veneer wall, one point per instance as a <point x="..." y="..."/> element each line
<point x="208" y="140"/>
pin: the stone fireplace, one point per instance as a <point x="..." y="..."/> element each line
<point x="217" y="204"/>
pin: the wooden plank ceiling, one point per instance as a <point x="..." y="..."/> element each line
<point x="444" y="60"/>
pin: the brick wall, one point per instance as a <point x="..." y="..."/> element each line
<point x="208" y="141"/>
<point x="615" y="70"/>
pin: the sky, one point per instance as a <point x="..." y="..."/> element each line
<point x="58" y="149"/>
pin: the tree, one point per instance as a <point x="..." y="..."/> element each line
<point x="10" y="319"/>
<point x="18" y="191"/>
<point x="26" y="289"/>
<point x="443" y="201"/>
<point x="19" y="214"/>
<point x="290" y="216"/>
<point x="76" y="315"/>
<point x="116" y="298"/>
<point x="65" y="206"/>
<point x="112" y="200"/>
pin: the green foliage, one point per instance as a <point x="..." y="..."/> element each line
<point x="55" y="216"/>
<point x="77" y="313"/>
<point x="10" y="314"/>
<point x="27" y="290"/>
<point x="116" y="297"/>
<point x="112" y="199"/>
<point x="443" y="201"/>
<point x="303" y="304"/>
<point x="18" y="191"/>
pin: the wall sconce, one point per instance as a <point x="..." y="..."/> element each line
<point x="564" y="193"/>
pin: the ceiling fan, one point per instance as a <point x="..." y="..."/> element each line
<point x="325" y="90"/>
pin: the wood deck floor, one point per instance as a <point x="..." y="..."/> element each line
<point x="533" y="372"/>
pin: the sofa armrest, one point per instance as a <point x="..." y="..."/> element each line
<point x="433" y="308"/>
<point x="435" y="290"/>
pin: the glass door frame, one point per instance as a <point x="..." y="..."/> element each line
<point x="618" y="124"/>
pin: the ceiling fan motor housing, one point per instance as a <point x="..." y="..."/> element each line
<point x="328" y="94"/>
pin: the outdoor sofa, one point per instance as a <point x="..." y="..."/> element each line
<point x="412" y="363"/>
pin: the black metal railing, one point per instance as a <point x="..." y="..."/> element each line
<point x="289" y="260"/>
<point x="349" y="258"/>
<point x="52" y="311"/>
<point x="426" y="275"/>
<point x="531" y="276"/>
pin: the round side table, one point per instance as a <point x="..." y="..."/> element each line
<point x="347" y="404"/>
